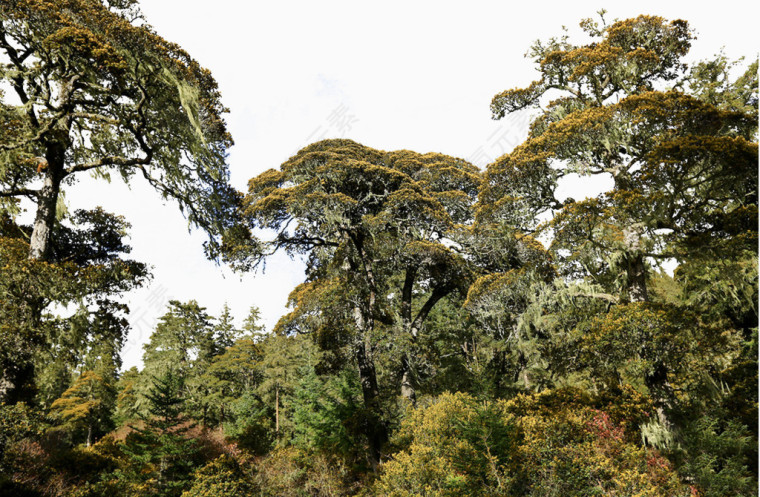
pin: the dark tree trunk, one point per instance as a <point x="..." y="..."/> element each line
<point x="374" y="427"/>
<point x="407" y="387"/>
<point x="364" y="318"/>
<point x="412" y="329"/>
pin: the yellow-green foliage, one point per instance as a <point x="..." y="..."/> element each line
<point x="222" y="477"/>
<point x="554" y="443"/>
<point x="287" y="472"/>
<point x="78" y="402"/>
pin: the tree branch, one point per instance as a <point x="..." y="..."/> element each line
<point x="111" y="160"/>
<point x="20" y="192"/>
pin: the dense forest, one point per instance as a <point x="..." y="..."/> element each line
<point x="457" y="332"/>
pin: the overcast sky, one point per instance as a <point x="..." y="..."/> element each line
<point x="391" y="75"/>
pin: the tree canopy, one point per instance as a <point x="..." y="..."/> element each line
<point x="93" y="88"/>
<point x="457" y="331"/>
<point x="379" y="229"/>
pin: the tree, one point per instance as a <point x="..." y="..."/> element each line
<point x="553" y="443"/>
<point x="376" y="227"/>
<point x="234" y="372"/>
<point x="183" y="334"/>
<point x="85" y="404"/>
<point x="327" y="414"/>
<point x="161" y="454"/>
<point x="681" y="168"/>
<point x="682" y="161"/>
<point x="183" y="344"/>
<point x="282" y="358"/>
<point x="225" y="332"/>
<point x="127" y="401"/>
<point x="88" y="269"/>
<point x="96" y="89"/>
<point x="89" y="340"/>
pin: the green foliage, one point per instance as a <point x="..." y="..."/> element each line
<point x="98" y="90"/>
<point x="715" y="454"/>
<point x="250" y="424"/>
<point x="40" y="351"/>
<point x="327" y="415"/>
<point x="183" y="345"/>
<point x="127" y="407"/>
<point x="17" y="422"/>
<point x="454" y="447"/>
<point x="581" y="367"/>
<point x="680" y="150"/>
<point x="161" y="456"/>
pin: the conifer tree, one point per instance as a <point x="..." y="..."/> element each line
<point x="85" y="406"/>
<point x="161" y="454"/>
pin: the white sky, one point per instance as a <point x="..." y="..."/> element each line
<point x="391" y="75"/>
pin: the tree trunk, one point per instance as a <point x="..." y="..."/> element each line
<point x="636" y="286"/>
<point x="661" y="392"/>
<point x="635" y="266"/>
<point x="89" y="435"/>
<point x="39" y="245"/>
<point x="411" y="327"/>
<point x="374" y="427"/>
<point x="407" y="388"/>
<point x="636" y="279"/>
<point x="18" y="386"/>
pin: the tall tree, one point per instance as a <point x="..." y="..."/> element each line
<point x="680" y="151"/>
<point x="225" y="332"/>
<point x="88" y="269"/>
<point x="94" y="88"/>
<point x="236" y="369"/>
<point x="376" y="227"/>
<point x="182" y="335"/>
<point x="681" y="168"/>
<point x="282" y="359"/>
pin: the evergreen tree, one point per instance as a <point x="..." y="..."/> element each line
<point x="225" y="332"/>
<point x="161" y="455"/>
<point x="41" y="352"/>
<point x="128" y="401"/>
<point x="85" y="406"/>
<point x="280" y="365"/>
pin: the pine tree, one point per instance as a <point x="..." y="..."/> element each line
<point x="161" y="454"/>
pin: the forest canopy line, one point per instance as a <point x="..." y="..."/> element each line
<point x="457" y="331"/>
